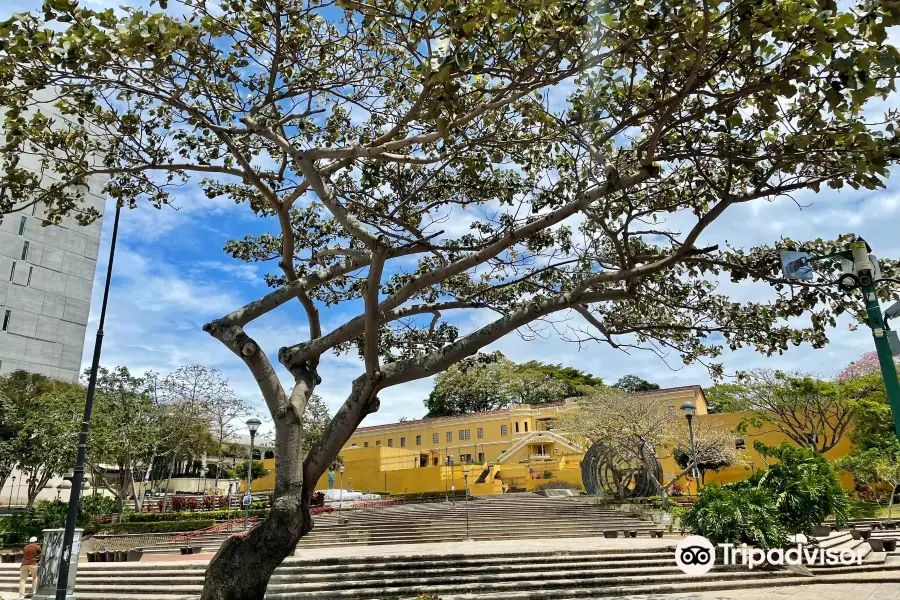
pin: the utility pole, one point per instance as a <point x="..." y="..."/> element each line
<point x="864" y="272"/>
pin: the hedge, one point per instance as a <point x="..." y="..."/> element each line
<point x="218" y="515"/>
<point x="435" y="496"/>
<point x="159" y="527"/>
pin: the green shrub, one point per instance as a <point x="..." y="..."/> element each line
<point x="218" y="515"/>
<point x="805" y="487"/>
<point x="548" y="474"/>
<point x="158" y="527"/>
<point x="738" y="513"/>
<point x="97" y="505"/>
<point x="557" y="485"/>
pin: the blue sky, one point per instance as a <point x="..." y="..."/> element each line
<point x="171" y="276"/>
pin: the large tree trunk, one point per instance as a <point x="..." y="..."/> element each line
<point x="169" y="479"/>
<point x="243" y="565"/>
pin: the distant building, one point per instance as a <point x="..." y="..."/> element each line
<point x="46" y="276"/>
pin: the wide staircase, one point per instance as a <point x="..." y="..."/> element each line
<point x="507" y="516"/>
<point x="525" y="575"/>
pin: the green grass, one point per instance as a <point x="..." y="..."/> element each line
<point x="871" y="510"/>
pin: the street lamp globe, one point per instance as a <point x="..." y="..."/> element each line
<point x="689" y="409"/>
<point x="341" y="470"/>
<point x="465" y="472"/>
<point x="253" y="425"/>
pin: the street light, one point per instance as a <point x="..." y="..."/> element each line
<point x="253" y="426"/>
<point x="11" y="488"/>
<point x="466" y="482"/>
<point x="65" y="485"/>
<point x="62" y="583"/>
<point x="690" y="409"/>
<point x="341" y="503"/>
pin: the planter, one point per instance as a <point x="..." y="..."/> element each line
<point x="100" y="556"/>
<point x="657" y="533"/>
<point x="632" y="533"/>
<point x="890" y="544"/>
<point x="890" y="525"/>
<point x="822" y="531"/>
<point x="877" y="525"/>
<point x="185" y="550"/>
<point x="135" y="555"/>
<point x="856" y="534"/>
<point x="92" y="556"/>
<point x="877" y="545"/>
<point x="611" y="534"/>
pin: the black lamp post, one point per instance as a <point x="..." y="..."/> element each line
<point x="62" y="583"/>
<point x="465" y="474"/>
<point x="253" y="426"/>
<point x="690" y="409"/>
<point x="341" y="502"/>
<point x="11" y="488"/>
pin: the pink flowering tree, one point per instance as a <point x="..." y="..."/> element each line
<point x="866" y="365"/>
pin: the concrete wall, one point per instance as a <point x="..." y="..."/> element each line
<point x="48" y="291"/>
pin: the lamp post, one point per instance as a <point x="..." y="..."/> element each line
<point x="62" y="583"/>
<point x="466" y="482"/>
<point x="341" y="502"/>
<point x="690" y="409"/>
<point x="253" y="426"/>
<point x="11" y="488"/>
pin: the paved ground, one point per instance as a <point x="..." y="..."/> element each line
<point x="477" y="548"/>
<point x="823" y="591"/>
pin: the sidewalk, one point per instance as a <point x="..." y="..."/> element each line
<point x="485" y="547"/>
<point x="818" y="591"/>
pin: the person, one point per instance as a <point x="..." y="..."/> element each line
<point x="31" y="555"/>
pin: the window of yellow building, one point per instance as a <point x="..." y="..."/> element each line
<point x="377" y="442"/>
<point x="418" y="440"/>
<point x="365" y="444"/>
<point x="435" y="439"/>
<point x="480" y="432"/>
<point x="526" y="426"/>
<point x="449" y="436"/>
<point x="517" y="427"/>
<point x="403" y="442"/>
<point x="390" y="442"/>
<point x="504" y="430"/>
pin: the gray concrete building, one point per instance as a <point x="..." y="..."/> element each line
<point x="46" y="276"/>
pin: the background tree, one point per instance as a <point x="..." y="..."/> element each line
<point x="47" y="423"/>
<point x="8" y="433"/>
<point x="714" y="445"/>
<point x="360" y="130"/>
<point x="811" y="412"/>
<point x="491" y="381"/>
<point x="876" y="467"/>
<point x="224" y="409"/>
<point x="642" y="430"/>
<point x="127" y="429"/>
<point x="632" y="384"/>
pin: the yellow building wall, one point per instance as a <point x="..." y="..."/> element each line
<point x="389" y="458"/>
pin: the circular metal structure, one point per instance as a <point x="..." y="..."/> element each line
<point x="621" y="473"/>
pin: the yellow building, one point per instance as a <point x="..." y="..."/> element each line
<point x="512" y="449"/>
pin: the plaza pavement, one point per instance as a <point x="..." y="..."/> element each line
<point x="822" y="591"/>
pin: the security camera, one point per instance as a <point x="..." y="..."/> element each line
<point x="892" y="311"/>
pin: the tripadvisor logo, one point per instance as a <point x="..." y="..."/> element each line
<point x="696" y="555"/>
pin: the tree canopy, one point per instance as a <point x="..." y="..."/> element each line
<point x="416" y="161"/>
<point x="490" y="381"/>
<point x="633" y="383"/>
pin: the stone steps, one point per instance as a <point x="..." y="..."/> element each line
<point x="530" y="575"/>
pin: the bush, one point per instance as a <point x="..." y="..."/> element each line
<point x="218" y="515"/>
<point x="97" y="505"/>
<point x="548" y="474"/>
<point x="158" y="527"/>
<point x="557" y="485"/>
<point x="435" y="496"/>
<point x="805" y="488"/>
<point x="738" y="513"/>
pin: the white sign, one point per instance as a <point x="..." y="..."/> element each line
<point x="248" y="500"/>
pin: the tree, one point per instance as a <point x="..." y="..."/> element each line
<point x="641" y="429"/>
<point x="240" y="471"/>
<point x="633" y="384"/>
<point x="7" y="436"/>
<point x="491" y="381"/>
<point x="875" y="466"/>
<point x="128" y="431"/>
<point x="360" y="130"/>
<point x="715" y="449"/>
<point x="224" y="409"/>
<point x="811" y="412"/>
<point x="866" y="365"/>
<point x="47" y="417"/>
<point x="188" y="399"/>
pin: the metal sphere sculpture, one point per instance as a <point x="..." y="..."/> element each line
<point x="619" y="472"/>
